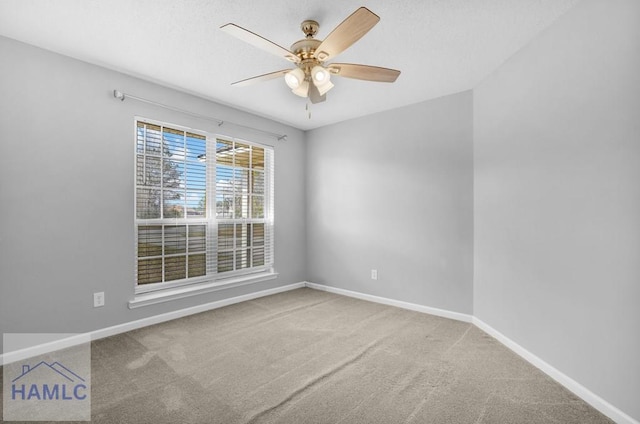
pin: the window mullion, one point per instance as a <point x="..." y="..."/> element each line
<point x="212" y="226"/>
<point x="161" y="178"/>
<point x="144" y="156"/>
<point x="184" y="169"/>
<point x="186" y="251"/>
<point x="235" y="206"/>
<point x="249" y="188"/>
<point x="163" y="255"/>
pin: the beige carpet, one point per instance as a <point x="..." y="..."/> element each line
<point x="308" y="356"/>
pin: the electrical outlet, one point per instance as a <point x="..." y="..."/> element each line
<point x="374" y="274"/>
<point x="98" y="299"/>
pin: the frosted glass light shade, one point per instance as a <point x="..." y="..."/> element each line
<point x="320" y="75"/>
<point x="324" y="87"/>
<point x="302" y="90"/>
<point x="294" y="78"/>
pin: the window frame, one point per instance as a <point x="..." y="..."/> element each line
<point x="210" y="220"/>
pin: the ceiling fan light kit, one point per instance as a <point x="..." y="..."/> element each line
<point x="311" y="77"/>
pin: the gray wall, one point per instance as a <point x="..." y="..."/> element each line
<point x="394" y="192"/>
<point x="66" y="191"/>
<point x="557" y="199"/>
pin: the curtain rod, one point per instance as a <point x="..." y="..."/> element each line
<point x="121" y="96"/>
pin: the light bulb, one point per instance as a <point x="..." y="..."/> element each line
<point x="291" y="81"/>
<point x="294" y="78"/>
<point x="320" y="75"/>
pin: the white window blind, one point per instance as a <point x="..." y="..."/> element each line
<point x="181" y="236"/>
<point x="244" y="206"/>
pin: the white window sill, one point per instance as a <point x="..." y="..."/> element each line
<point x="160" y="296"/>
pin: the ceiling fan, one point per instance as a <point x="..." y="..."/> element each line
<point x="311" y="77"/>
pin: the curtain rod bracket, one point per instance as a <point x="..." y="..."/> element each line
<point x="282" y="138"/>
<point x="118" y="95"/>
<point x="220" y="123"/>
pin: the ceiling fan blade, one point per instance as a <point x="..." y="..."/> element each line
<point x="348" y="32"/>
<point x="314" y="94"/>
<point x="259" y="42"/>
<point x="264" y="77"/>
<point x="364" y="72"/>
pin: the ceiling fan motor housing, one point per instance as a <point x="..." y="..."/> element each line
<point x="306" y="48"/>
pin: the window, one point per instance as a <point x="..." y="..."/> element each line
<point x="181" y="236"/>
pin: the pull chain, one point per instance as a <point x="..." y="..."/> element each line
<point x="308" y="109"/>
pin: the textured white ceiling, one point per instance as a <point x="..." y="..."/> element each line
<point x="441" y="46"/>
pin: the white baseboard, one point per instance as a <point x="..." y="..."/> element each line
<point x="19" y="355"/>
<point x="392" y="302"/>
<point x="585" y="394"/>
